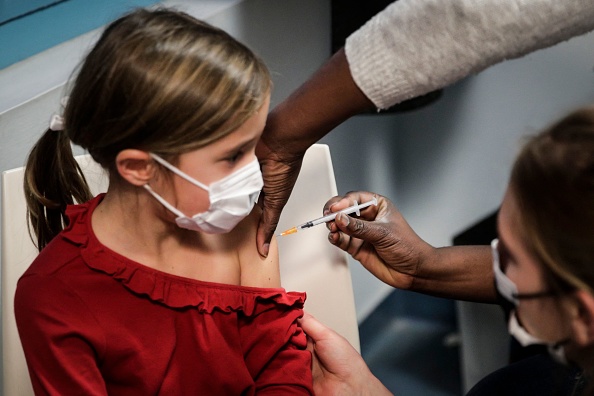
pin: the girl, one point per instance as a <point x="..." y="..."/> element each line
<point x="156" y="287"/>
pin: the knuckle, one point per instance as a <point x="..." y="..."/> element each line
<point x="383" y="233"/>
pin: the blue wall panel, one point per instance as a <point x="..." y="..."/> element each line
<point x="23" y="37"/>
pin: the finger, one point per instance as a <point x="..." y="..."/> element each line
<point x="331" y="204"/>
<point x="334" y="236"/>
<point x="338" y="202"/>
<point x="369" y="231"/>
<point x="279" y="180"/>
<point x="310" y="321"/>
<point x="316" y="368"/>
<point x="314" y="328"/>
<point x="340" y="240"/>
<point x="347" y="243"/>
<point x="266" y="226"/>
<point x="332" y="227"/>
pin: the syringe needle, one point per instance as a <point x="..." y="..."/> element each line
<point x="289" y="231"/>
<point x="324" y="219"/>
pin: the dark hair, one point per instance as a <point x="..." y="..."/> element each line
<point x="157" y="80"/>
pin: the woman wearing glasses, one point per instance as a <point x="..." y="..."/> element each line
<point x="541" y="267"/>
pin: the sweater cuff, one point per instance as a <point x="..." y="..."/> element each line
<point x="363" y="59"/>
<point x="370" y="53"/>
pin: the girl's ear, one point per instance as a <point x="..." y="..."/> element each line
<point x="135" y="166"/>
<point x="583" y="318"/>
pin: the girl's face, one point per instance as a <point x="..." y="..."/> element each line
<point x="542" y="317"/>
<point x="214" y="162"/>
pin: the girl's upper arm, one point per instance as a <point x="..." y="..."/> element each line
<point x="256" y="270"/>
<point x="61" y="339"/>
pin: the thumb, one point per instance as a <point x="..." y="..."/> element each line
<point x="313" y="327"/>
<point x="266" y="226"/>
<point x="368" y="231"/>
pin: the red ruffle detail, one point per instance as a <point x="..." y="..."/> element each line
<point x="77" y="230"/>
<point x="171" y="290"/>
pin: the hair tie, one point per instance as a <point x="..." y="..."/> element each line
<point x="56" y="123"/>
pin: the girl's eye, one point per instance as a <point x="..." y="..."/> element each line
<point x="235" y="157"/>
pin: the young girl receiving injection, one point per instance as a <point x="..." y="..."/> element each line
<point x="156" y="287"/>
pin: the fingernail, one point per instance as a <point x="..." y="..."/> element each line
<point x="266" y="249"/>
<point x="342" y="219"/>
<point x="328" y="211"/>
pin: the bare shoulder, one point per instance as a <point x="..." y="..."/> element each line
<point x="256" y="271"/>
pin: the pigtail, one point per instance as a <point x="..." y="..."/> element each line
<point x="53" y="180"/>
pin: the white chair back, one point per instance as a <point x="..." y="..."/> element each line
<point x="308" y="261"/>
<point x="18" y="251"/>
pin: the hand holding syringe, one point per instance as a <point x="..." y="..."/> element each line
<point x="356" y="208"/>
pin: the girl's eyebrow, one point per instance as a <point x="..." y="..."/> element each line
<point x="240" y="146"/>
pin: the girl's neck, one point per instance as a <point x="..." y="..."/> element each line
<point x="134" y="225"/>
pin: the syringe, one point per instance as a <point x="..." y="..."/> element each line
<point x="356" y="208"/>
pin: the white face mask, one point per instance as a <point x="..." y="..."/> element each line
<point x="556" y="350"/>
<point x="231" y="199"/>
<point x="509" y="291"/>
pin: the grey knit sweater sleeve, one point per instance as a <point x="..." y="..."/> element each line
<point x="416" y="46"/>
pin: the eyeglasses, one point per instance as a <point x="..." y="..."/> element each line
<point x="505" y="286"/>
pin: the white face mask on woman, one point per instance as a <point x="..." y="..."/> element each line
<point x="231" y="199"/>
<point x="508" y="290"/>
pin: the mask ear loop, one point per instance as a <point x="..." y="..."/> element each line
<point x="504" y="285"/>
<point x="178" y="172"/>
<point x="521" y="335"/>
<point x="163" y="202"/>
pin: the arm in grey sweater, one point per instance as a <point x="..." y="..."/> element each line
<point x="416" y="46"/>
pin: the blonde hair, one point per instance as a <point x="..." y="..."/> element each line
<point x="157" y="80"/>
<point x="553" y="182"/>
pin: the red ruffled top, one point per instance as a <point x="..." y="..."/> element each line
<point x="94" y="322"/>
